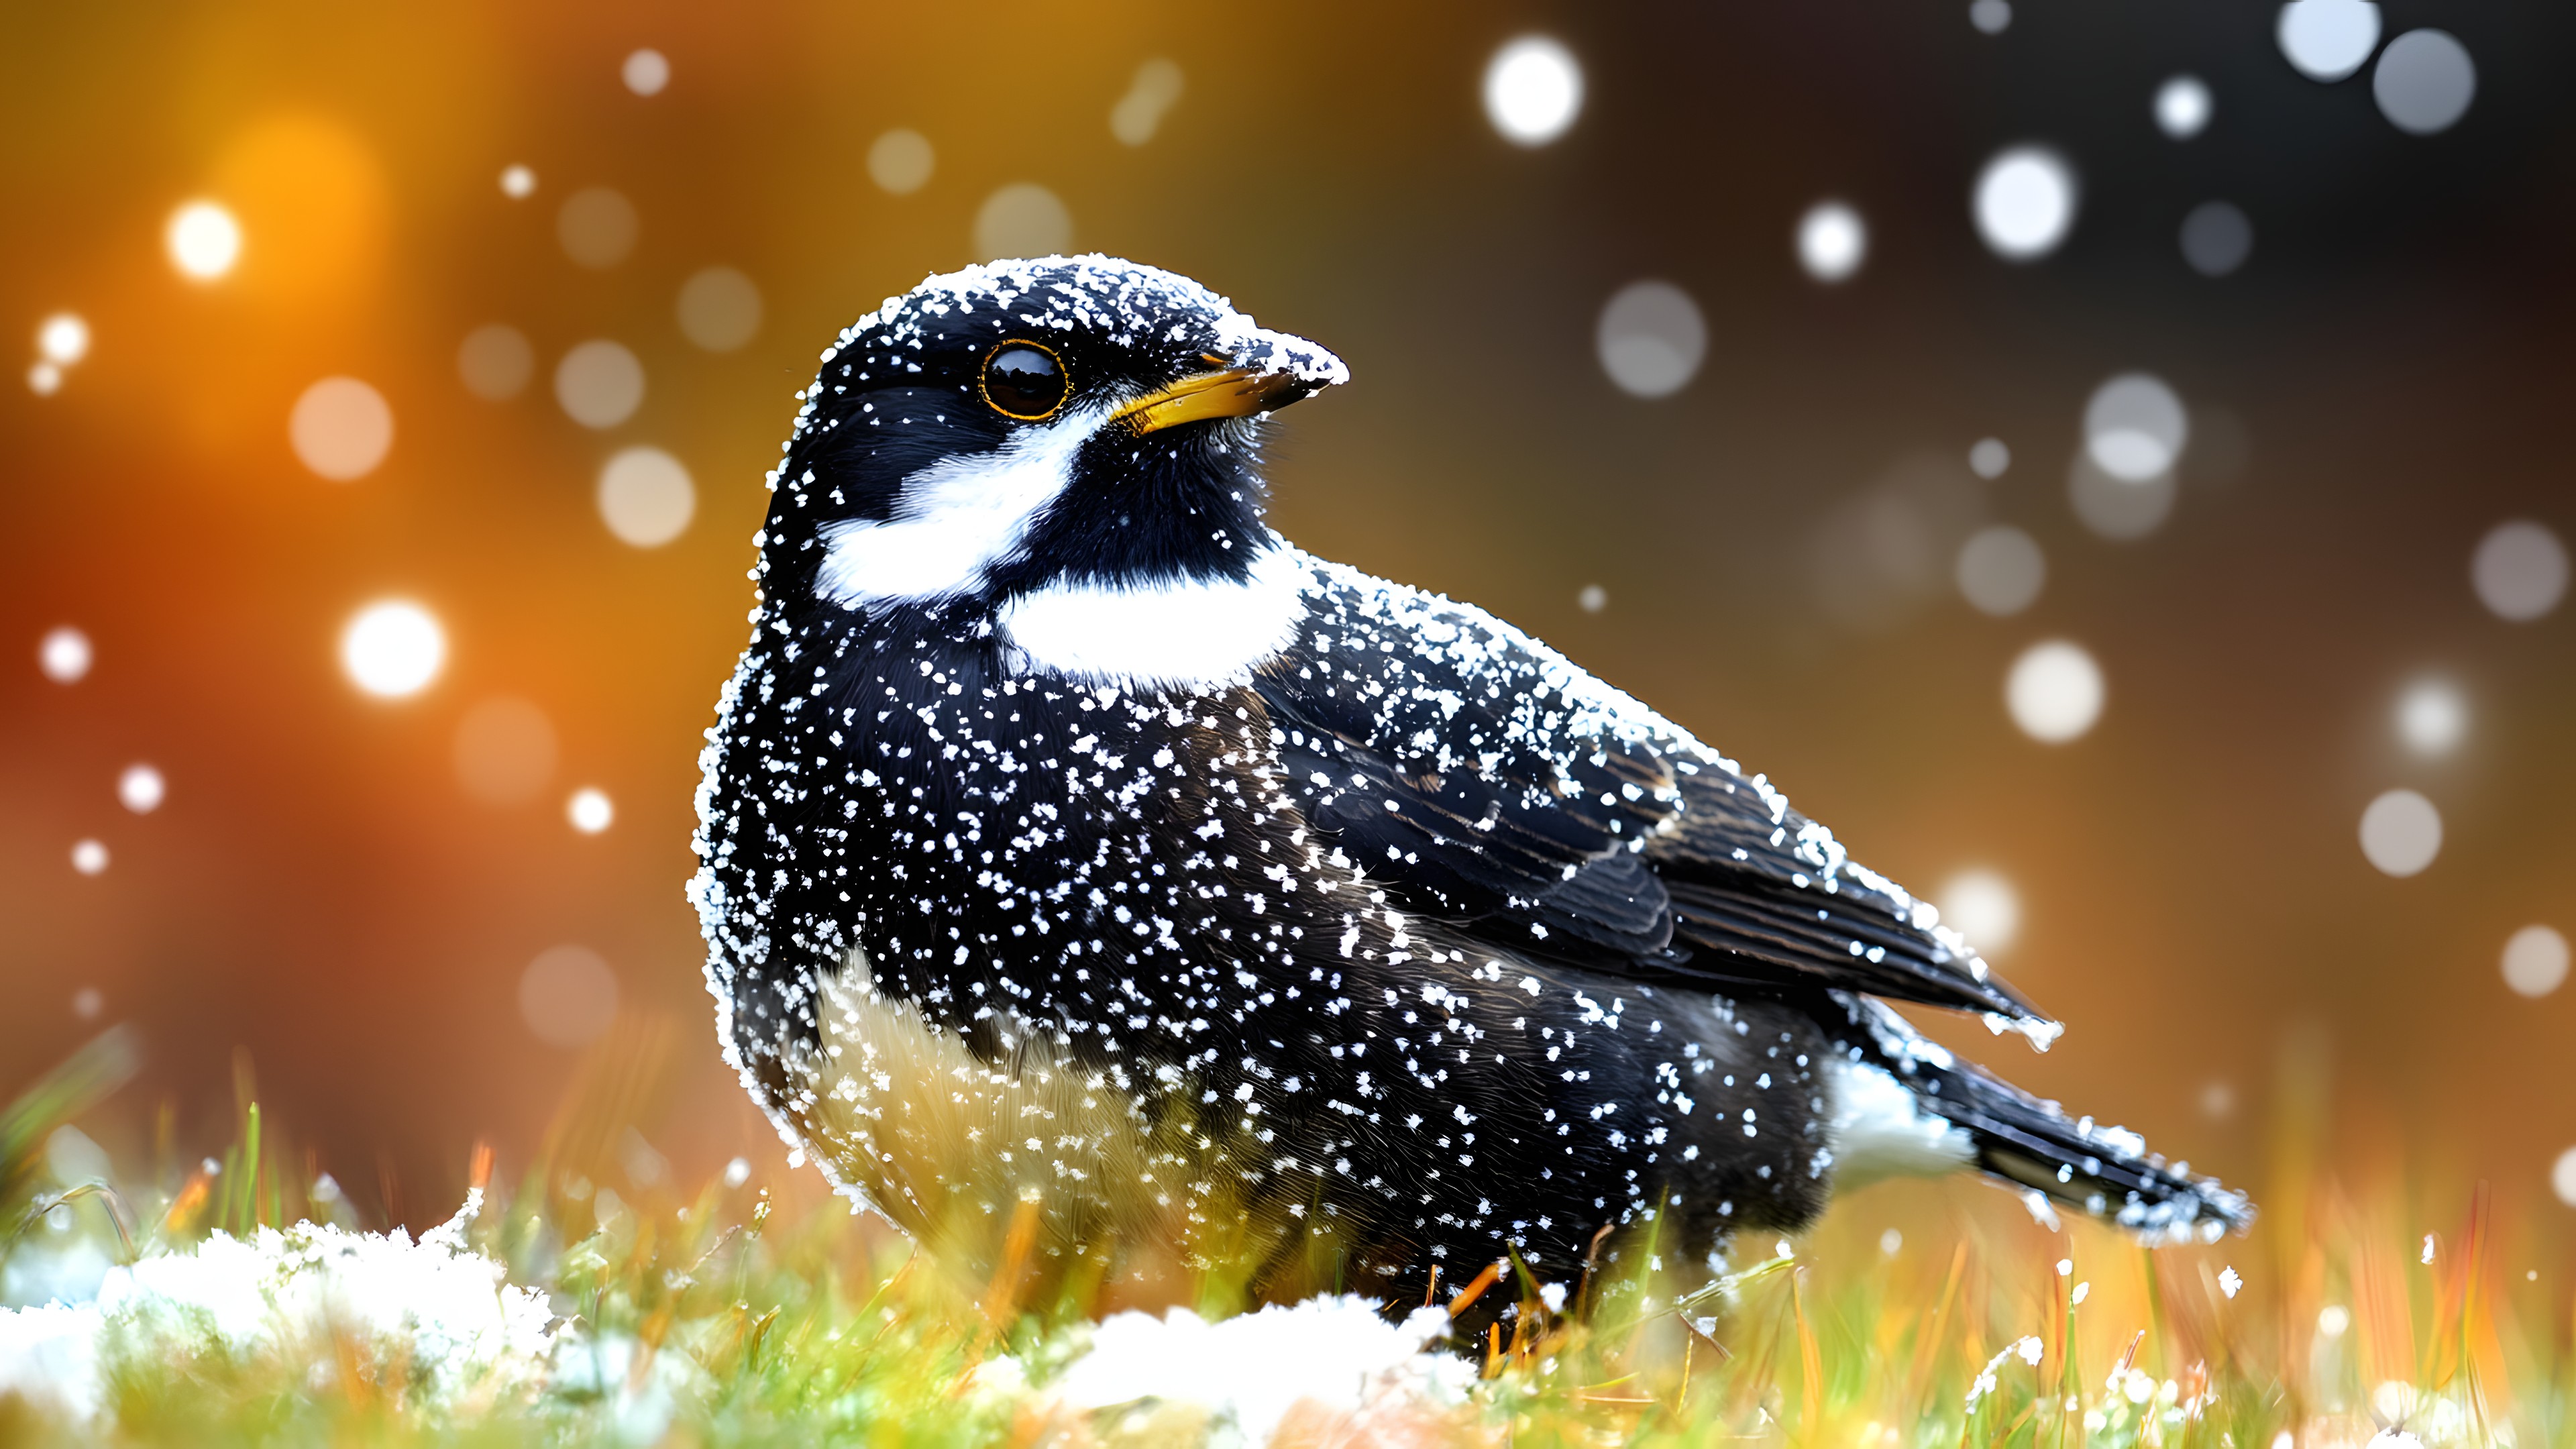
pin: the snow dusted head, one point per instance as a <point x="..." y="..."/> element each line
<point x="1016" y="426"/>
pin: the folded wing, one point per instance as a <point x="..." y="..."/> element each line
<point x="1485" y="779"/>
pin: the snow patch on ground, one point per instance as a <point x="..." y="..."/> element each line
<point x="1247" y="1373"/>
<point x="438" y="1321"/>
<point x="433" y="1311"/>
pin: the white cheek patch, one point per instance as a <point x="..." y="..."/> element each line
<point x="1177" y="634"/>
<point x="955" y="520"/>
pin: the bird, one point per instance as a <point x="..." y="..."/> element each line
<point x="1116" y="896"/>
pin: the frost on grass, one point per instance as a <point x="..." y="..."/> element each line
<point x="1249" y="1372"/>
<point x="432" y="1315"/>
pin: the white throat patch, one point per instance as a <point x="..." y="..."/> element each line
<point x="954" y="521"/>
<point x="1180" y="634"/>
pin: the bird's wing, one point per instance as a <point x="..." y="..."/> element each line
<point x="1485" y="779"/>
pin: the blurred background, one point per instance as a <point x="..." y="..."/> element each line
<point x="2097" y="457"/>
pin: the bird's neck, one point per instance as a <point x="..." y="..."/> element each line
<point x="1191" y="632"/>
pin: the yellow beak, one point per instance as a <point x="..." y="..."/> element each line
<point x="1233" y="392"/>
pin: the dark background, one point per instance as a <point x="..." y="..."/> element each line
<point x="2383" y="382"/>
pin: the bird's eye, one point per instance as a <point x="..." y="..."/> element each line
<point x="1024" y="380"/>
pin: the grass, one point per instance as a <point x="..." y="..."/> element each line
<point x="1930" y="1316"/>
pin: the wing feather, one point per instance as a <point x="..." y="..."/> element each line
<point x="1483" y="777"/>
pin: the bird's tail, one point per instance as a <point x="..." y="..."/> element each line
<point x="2106" y="1172"/>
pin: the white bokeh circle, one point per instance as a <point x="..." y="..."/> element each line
<point x="2000" y="570"/>
<point x="1982" y="905"/>
<point x="2534" y="961"/>
<point x="2055" y="691"/>
<point x="341" y="428"/>
<point x="1651" y="338"/>
<point x="2424" y="82"/>
<point x="393" y="648"/>
<point x="599" y="383"/>
<point x="2401" y="833"/>
<point x="1533" y="90"/>
<point x="568" y="996"/>
<point x="2326" y="40"/>
<point x="646" y="497"/>
<point x="2519" y="570"/>
<point x="2024" y="202"/>
<point x="1833" y="241"/>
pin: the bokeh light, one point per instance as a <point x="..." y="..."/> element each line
<point x="2054" y="691"/>
<point x="2115" y="508"/>
<point x="2217" y="237"/>
<point x="1832" y="241"/>
<point x="2401" y="832"/>
<point x="64" y="654"/>
<point x="89" y="857"/>
<point x="1533" y="90"/>
<point x="1991" y="17"/>
<point x="900" y="161"/>
<point x="1981" y="905"/>
<point x="2562" y="1177"/>
<point x="719" y="309"/>
<point x="2218" y="1101"/>
<point x="598" y="227"/>
<point x="2001" y="570"/>
<point x="2135" y="427"/>
<point x="2432" y="717"/>
<point x="44" y="379"/>
<point x="203" y="239"/>
<point x="341" y="428"/>
<point x="504" y="751"/>
<point x="1139" y="113"/>
<point x="645" y="497"/>
<point x="141" y="789"/>
<point x="2183" y="107"/>
<point x="2535" y="961"/>
<point x="2326" y="40"/>
<point x="1592" y="598"/>
<point x="590" y="810"/>
<point x="393" y="649"/>
<point x="518" y="182"/>
<point x="568" y="996"/>
<point x="2025" y="203"/>
<point x="599" y="383"/>
<point x="2519" y="570"/>
<point x="1989" y="457"/>
<point x="1651" y="339"/>
<point x="2424" y="82"/>
<point x="63" y="339"/>
<point x="1022" y="219"/>
<point x="495" y="362"/>
<point x="645" y="71"/>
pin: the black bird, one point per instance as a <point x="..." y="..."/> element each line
<point x="1097" y="884"/>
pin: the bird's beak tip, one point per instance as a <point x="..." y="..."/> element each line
<point x="1257" y="372"/>
<point x="1312" y="366"/>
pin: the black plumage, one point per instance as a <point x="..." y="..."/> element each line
<point x="1079" y="855"/>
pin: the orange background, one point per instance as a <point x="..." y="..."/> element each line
<point x="2385" y="381"/>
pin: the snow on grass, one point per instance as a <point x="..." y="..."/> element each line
<point x="1247" y="1373"/>
<point x="433" y="1314"/>
<point x="438" y="1325"/>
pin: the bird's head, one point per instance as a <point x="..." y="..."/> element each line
<point x="1027" y="424"/>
